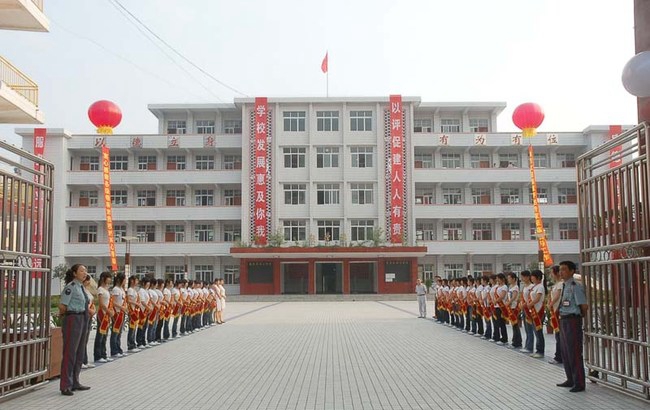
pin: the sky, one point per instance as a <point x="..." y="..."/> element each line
<point x="566" y="55"/>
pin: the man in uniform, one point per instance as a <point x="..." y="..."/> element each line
<point x="573" y="307"/>
<point x="421" y="291"/>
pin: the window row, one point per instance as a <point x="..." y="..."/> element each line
<point x="229" y="273"/>
<point x="486" y="231"/>
<point x="458" y="270"/>
<point x="170" y="162"/>
<point x="486" y="196"/>
<point x="451" y="159"/>
<point x="328" y="230"/>
<point x="296" y="121"/>
<point x="450" y="125"/>
<point x="204" y="127"/>
<point x="328" y="194"/>
<point x="172" y="232"/>
<point x="328" y="157"/>
<point x="149" y="197"/>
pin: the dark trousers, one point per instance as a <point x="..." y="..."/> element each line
<point x="130" y="336"/>
<point x="183" y="324"/>
<point x="115" y="342"/>
<point x="501" y="327"/>
<point x="571" y="342"/>
<point x="496" y="329"/>
<point x="516" y="335"/>
<point x="142" y="332"/>
<point x="99" y="349"/>
<point x="159" y="327"/>
<point x="529" y="328"/>
<point x="75" y="338"/>
<point x="468" y="318"/>
<point x="175" y="326"/>
<point x="558" y="348"/>
<point x="165" y="330"/>
<point x="460" y="320"/>
<point x="488" y="329"/>
<point x="540" y="342"/>
<point x="151" y="331"/>
<point x="88" y="329"/>
<point x="478" y="324"/>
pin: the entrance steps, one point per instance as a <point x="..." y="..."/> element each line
<point x="321" y="298"/>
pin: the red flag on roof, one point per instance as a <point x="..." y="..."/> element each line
<point x="323" y="65"/>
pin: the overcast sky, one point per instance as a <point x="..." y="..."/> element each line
<point x="566" y="55"/>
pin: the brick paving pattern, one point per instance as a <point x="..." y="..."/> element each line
<point x="326" y="355"/>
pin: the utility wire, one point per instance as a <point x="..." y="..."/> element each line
<point x="176" y="51"/>
<point x="113" y="3"/>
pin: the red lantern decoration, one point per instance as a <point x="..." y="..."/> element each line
<point x="105" y="115"/>
<point x="528" y="117"/>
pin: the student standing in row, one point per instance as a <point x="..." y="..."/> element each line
<point x="104" y="316"/>
<point x="536" y="308"/>
<point x="120" y="305"/>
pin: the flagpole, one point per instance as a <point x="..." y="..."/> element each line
<point x="327" y="82"/>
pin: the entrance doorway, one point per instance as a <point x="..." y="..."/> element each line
<point x="362" y="277"/>
<point x="295" y="278"/>
<point x="329" y="277"/>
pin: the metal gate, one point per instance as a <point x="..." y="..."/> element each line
<point x="614" y="221"/>
<point x="25" y="268"/>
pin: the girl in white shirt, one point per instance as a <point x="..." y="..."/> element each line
<point x="536" y="308"/>
<point x="513" y="304"/>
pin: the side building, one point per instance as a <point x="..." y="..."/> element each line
<point x="185" y="196"/>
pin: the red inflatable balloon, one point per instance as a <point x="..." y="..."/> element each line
<point x="105" y="114"/>
<point x="528" y="117"/>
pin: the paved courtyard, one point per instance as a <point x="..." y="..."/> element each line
<point x="325" y="355"/>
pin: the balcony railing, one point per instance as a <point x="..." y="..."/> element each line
<point x="18" y="81"/>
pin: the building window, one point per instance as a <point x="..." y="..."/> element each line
<point x="147" y="162"/>
<point x="294" y="230"/>
<point x="231" y="274"/>
<point x="452" y="196"/>
<point x="204" y="272"/>
<point x="327" y="120"/>
<point x="204" y="233"/>
<point x="329" y="230"/>
<point x="547" y="231"/>
<point x="119" y="163"/>
<point x="174" y="233"/>
<point x="361" y="229"/>
<point x="176" y="162"/>
<point x="423" y="160"/>
<point x="176" y="127"/>
<point x="294" y="194"/>
<point x="452" y="231"/>
<point x="510" y="196"/>
<point x="509" y="160"/>
<point x="232" y="197"/>
<point x="232" y="162"/>
<point x="119" y="231"/>
<point x="175" y="197"/>
<point x="88" y="198"/>
<point x="144" y="270"/>
<point x="146" y="197"/>
<point x="89" y="163"/>
<point x="362" y="157"/>
<point x="451" y="160"/>
<point x="175" y="272"/>
<point x="205" y="126"/>
<point x="87" y="233"/>
<point x="428" y="271"/>
<point x="327" y="157"/>
<point x="424" y="196"/>
<point x="448" y="125"/>
<point x="294" y="121"/>
<point x="146" y="233"/>
<point x="362" y="194"/>
<point x="481" y="269"/>
<point x="423" y="125"/>
<point x="327" y="194"/>
<point x="425" y="231"/>
<point x="204" y="197"/>
<point x="480" y="160"/>
<point x="566" y="160"/>
<point x="294" y="157"/>
<point x="204" y="162"/>
<point x="478" y="125"/>
<point x="482" y="231"/>
<point x="567" y="196"/>
<point x="510" y="231"/>
<point x="360" y="120"/>
<point x="512" y="267"/>
<point x="453" y="270"/>
<point x="231" y="232"/>
<point x="232" y="126"/>
<point x="481" y="196"/>
<point x="541" y="160"/>
<point x="542" y="195"/>
<point x="568" y="230"/>
<point x="119" y="197"/>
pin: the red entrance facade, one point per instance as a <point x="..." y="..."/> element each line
<point x="327" y="270"/>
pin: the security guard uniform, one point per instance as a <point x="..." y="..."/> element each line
<point x="75" y="334"/>
<point x="573" y="295"/>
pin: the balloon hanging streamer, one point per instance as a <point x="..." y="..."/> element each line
<point x="539" y="225"/>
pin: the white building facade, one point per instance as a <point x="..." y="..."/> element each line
<point x="186" y="192"/>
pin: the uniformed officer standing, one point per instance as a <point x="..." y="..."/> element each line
<point x="421" y="291"/>
<point x="74" y="309"/>
<point x="573" y="307"/>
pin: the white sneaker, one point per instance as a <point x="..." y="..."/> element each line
<point x="123" y="354"/>
<point x="109" y="359"/>
<point x="84" y="366"/>
<point x="537" y="355"/>
<point x="500" y="343"/>
<point x="90" y="365"/>
<point x="134" y="350"/>
<point x="102" y="360"/>
<point x="525" y="351"/>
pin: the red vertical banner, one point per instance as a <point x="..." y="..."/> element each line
<point x="396" y="231"/>
<point x="38" y="201"/>
<point x="539" y="224"/>
<point x="615" y="203"/>
<point x="106" y="170"/>
<point x="260" y="175"/>
<point x="614" y="130"/>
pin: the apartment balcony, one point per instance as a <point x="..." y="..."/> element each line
<point x="157" y="213"/>
<point x="493" y="211"/>
<point x="492" y="175"/>
<point x="159" y="177"/>
<point x="18" y="95"/>
<point x="25" y="15"/>
<point x="566" y="247"/>
<point x="151" y="249"/>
